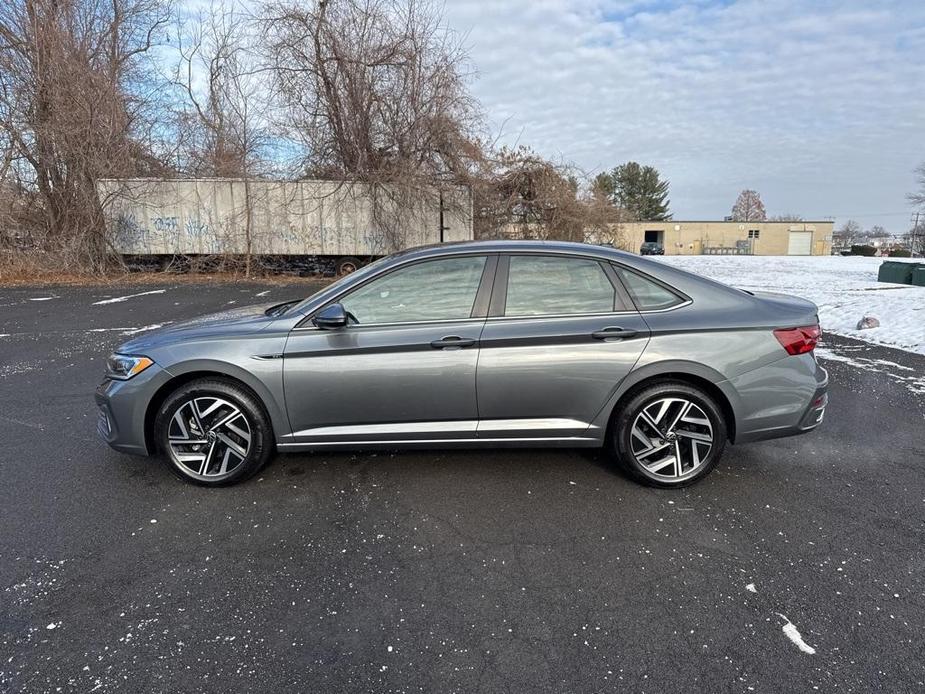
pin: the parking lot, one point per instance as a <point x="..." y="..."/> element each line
<point x="799" y="564"/>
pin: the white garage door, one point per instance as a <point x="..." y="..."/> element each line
<point x="801" y="243"/>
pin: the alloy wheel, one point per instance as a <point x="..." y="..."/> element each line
<point x="671" y="438"/>
<point x="208" y="437"/>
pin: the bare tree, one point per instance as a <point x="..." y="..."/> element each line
<point x="748" y="207"/>
<point x="848" y="233"/>
<point x="224" y="123"/>
<point x="786" y="217"/>
<point x="373" y="90"/>
<point x="72" y="108"/>
<point x="917" y="198"/>
<point x="522" y="194"/>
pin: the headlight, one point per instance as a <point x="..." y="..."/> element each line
<point x="124" y="366"/>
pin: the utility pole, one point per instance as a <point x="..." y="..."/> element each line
<point x="914" y="233"/>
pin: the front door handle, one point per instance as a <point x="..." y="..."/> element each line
<point x="452" y="342"/>
<point x="613" y="333"/>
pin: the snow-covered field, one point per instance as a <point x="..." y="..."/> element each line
<point x="844" y="288"/>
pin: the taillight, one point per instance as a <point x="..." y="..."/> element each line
<point x="798" y="340"/>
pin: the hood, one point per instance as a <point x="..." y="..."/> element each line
<point x="237" y="321"/>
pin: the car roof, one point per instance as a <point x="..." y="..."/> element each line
<point x="514" y="246"/>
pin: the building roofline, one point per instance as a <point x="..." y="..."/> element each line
<point x="727" y="221"/>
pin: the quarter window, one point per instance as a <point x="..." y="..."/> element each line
<point x="648" y="294"/>
<point x="539" y="285"/>
<point x="429" y="291"/>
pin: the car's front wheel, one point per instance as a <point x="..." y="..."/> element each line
<point x="669" y="435"/>
<point x="213" y="432"/>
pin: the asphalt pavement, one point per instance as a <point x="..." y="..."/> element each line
<point x="798" y="565"/>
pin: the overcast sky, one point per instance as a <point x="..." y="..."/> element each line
<point x="819" y="106"/>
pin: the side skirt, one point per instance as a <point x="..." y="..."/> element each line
<point x="531" y="442"/>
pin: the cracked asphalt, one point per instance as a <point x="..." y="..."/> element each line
<point x="449" y="571"/>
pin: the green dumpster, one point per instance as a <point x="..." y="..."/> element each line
<point x="918" y="275"/>
<point x="895" y="271"/>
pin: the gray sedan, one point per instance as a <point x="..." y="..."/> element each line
<point x="478" y="344"/>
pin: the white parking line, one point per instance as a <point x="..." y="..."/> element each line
<point x="119" y="299"/>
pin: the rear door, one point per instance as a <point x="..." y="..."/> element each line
<point x="560" y="337"/>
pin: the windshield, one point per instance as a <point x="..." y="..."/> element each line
<point x="336" y="285"/>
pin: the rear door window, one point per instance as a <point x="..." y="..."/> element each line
<point x="551" y="285"/>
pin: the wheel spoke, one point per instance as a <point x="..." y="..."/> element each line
<point x="235" y="412"/>
<point x="654" y="449"/>
<point x="660" y="464"/>
<point x="224" y="467"/>
<point x="231" y="444"/>
<point x="651" y="422"/>
<point x="204" y="468"/>
<point x="696" y="436"/>
<point x="240" y="432"/>
<point x="684" y="409"/>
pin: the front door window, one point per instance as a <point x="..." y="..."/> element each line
<point x="435" y="290"/>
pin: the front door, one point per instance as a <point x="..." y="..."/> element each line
<point x="560" y="337"/>
<point x="403" y="369"/>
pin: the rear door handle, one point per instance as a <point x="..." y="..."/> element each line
<point x="613" y="333"/>
<point x="452" y="342"/>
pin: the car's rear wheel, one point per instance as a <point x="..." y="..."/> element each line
<point x="213" y="432"/>
<point x="669" y="435"/>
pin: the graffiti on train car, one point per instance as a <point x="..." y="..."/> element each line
<point x="302" y="218"/>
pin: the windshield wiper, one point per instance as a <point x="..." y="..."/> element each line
<point x="280" y="309"/>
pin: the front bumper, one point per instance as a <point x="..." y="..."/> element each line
<point x="122" y="406"/>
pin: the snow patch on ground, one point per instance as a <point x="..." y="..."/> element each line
<point x="120" y="299"/>
<point x="43" y="298"/>
<point x="751" y="588"/>
<point x="794" y="635"/>
<point x="906" y="377"/>
<point x="264" y="293"/>
<point x="128" y="331"/>
<point x="844" y="288"/>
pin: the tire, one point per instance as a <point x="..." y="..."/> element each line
<point x="347" y="265"/>
<point x="211" y="445"/>
<point x="657" y="454"/>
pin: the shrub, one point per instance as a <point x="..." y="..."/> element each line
<point x="863" y="250"/>
<point x="900" y="253"/>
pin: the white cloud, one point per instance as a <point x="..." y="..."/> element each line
<point x="819" y="105"/>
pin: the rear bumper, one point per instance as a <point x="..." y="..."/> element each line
<point x="786" y="398"/>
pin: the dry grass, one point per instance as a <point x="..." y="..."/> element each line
<point x="27" y="270"/>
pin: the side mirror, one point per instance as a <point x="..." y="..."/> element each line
<point x="332" y="317"/>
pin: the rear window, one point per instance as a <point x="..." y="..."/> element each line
<point x="648" y="294"/>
